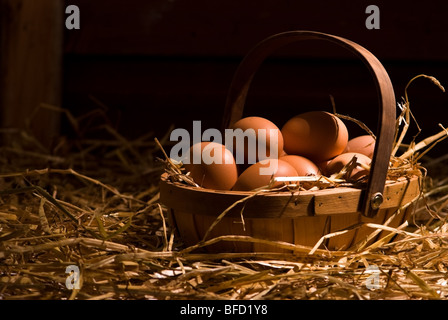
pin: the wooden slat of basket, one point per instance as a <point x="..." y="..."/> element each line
<point x="183" y="222"/>
<point x="395" y="195"/>
<point x="227" y="226"/>
<point x="308" y="230"/>
<point x="331" y="202"/>
<point x="399" y="194"/>
<point x="343" y="222"/>
<point x="272" y="229"/>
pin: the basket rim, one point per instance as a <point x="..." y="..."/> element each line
<point x="283" y="204"/>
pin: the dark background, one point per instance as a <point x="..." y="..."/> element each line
<point x="152" y="64"/>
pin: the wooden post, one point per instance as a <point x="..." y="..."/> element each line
<point x="31" y="47"/>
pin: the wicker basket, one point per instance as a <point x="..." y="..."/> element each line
<point x="299" y="218"/>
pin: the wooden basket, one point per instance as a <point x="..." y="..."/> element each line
<point x="300" y="218"/>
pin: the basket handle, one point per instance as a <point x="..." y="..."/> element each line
<point x="386" y="99"/>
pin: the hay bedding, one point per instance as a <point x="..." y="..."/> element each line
<point x="93" y="203"/>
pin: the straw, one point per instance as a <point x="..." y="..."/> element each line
<point x="72" y="206"/>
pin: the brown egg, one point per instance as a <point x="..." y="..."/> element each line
<point x="259" y="143"/>
<point x="363" y="144"/>
<point x="253" y="177"/>
<point x="316" y="135"/>
<point x="303" y="166"/>
<point x="341" y="160"/>
<point x="323" y="166"/>
<point x="216" y="168"/>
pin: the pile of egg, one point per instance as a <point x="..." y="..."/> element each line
<point x="309" y="144"/>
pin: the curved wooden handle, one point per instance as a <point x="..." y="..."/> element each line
<point x="386" y="99"/>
